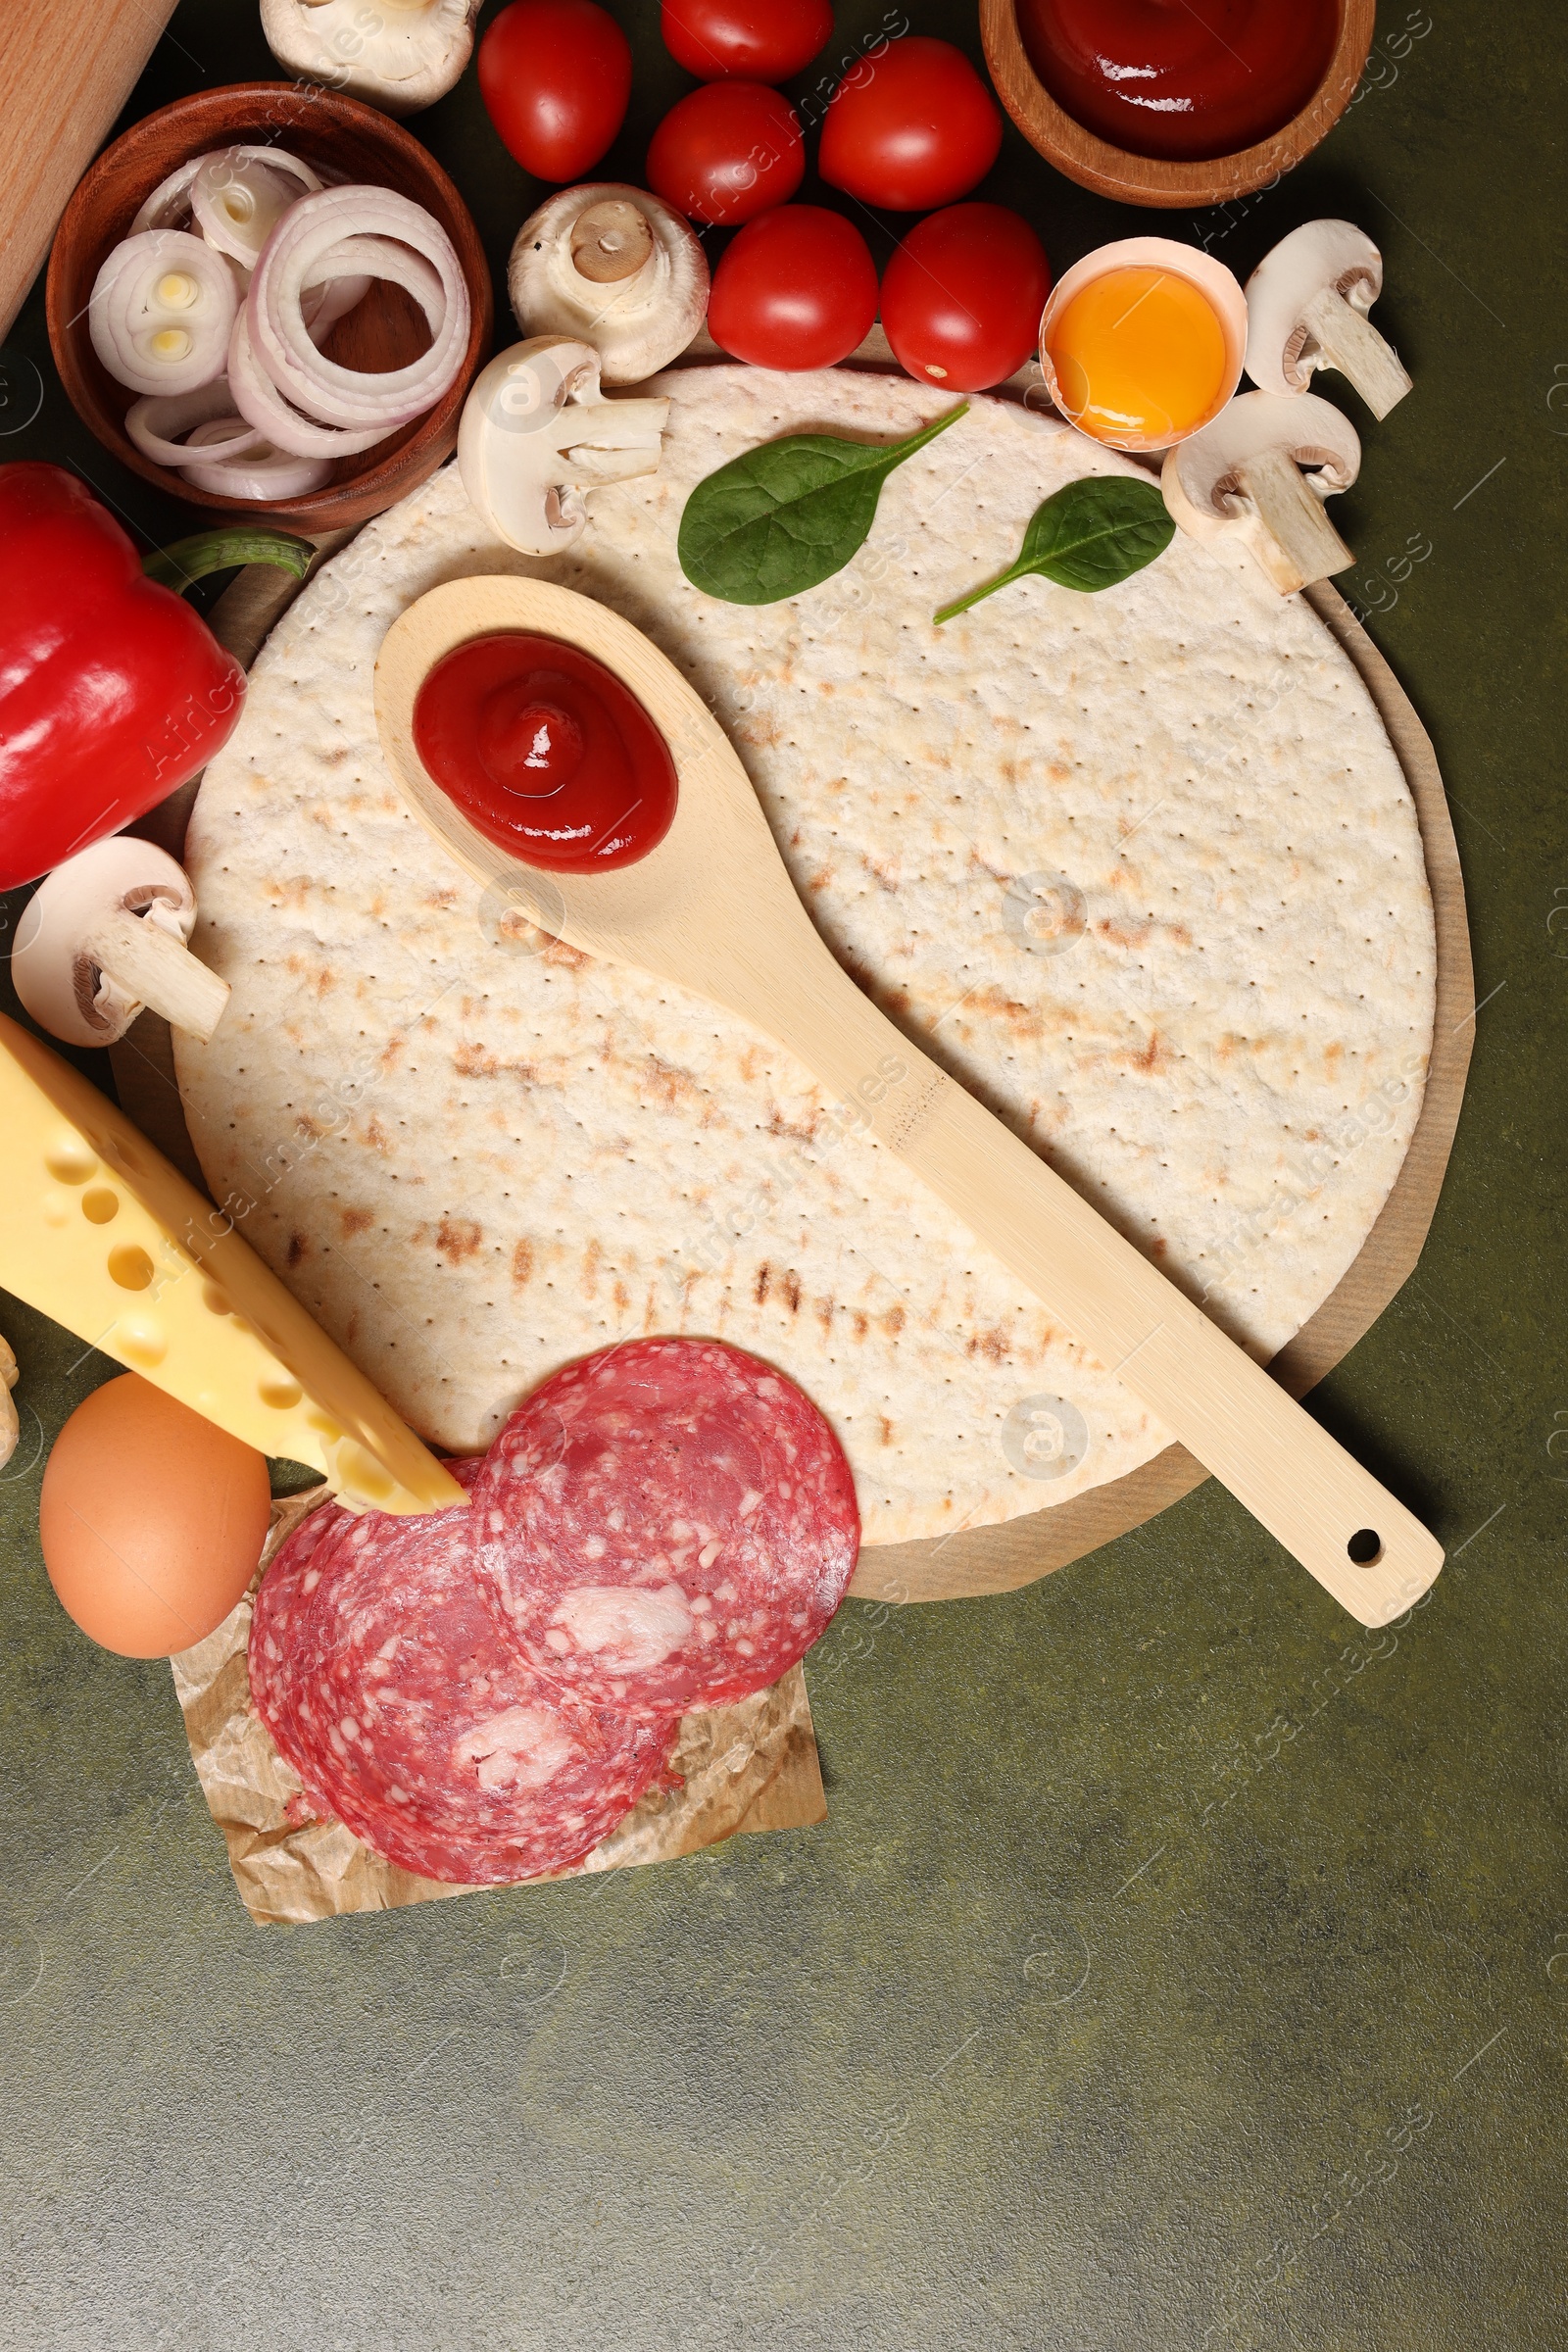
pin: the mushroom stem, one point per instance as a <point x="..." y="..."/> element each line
<point x="1350" y="342"/>
<point x="155" y="969"/>
<point x="611" y="241"/>
<point x="1292" y="538"/>
<point x="636" y="424"/>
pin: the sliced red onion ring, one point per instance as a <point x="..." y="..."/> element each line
<point x="356" y="220"/>
<point x="261" y="404"/>
<point x="162" y="311"/>
<point x="323" y="305"/>
<point x="153" y="423"/>
<point x="239" y="196"/>
<point x="169" y="205"/>
<point x="261" y="473"/>
<point x="170" y="202"/>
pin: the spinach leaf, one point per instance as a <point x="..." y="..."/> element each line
<point x="1097" y="531"/>
<point x="784" y="517"/>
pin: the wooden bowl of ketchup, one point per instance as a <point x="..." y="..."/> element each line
<point x="1161" y="103"/>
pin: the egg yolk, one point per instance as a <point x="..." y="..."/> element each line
<point x="1140" y="356"/>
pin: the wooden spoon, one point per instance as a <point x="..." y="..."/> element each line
<point x="712" y="909"/>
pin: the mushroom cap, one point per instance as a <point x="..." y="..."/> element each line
<point x="1310" y="432"/>
<point x="638" y="324"/>
<point x="55" y="977"/>
<point x="1321" y="255"/>
<point x="414" y="55"/>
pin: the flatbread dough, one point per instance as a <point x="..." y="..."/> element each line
<point x="1139" y="868"/>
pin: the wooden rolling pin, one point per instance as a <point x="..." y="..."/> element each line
<point x="66" y="71"/>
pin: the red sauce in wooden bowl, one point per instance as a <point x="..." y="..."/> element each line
<point x="1183" y="81"/>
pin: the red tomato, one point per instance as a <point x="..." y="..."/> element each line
<point x="555" y="76"/>
<point x="962" y="296"/>
<point x="755" y="40"/>
<point x="727" y="153"/>
<point x="796" y="289"/>
<point x="912" y="129"/>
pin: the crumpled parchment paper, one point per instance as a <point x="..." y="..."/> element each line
<point x="751" y="1766"/>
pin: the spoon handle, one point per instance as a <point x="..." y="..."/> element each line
<point x="1345" y="1529"/>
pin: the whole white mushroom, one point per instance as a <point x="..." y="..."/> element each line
<point x="614" y="267"/>
<point x="400" y="55"/>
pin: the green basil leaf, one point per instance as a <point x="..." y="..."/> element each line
<point x="1088" y="536"/>
<point x="784" y="517"/>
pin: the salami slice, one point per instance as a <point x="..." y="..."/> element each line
<point x="666" y="1525"/>
<point x="401" y="1707"/>
<point x="281" y="1610"/>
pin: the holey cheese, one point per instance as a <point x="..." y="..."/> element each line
<point x="1141" y="868"/>
<point x="98" y="1231"/>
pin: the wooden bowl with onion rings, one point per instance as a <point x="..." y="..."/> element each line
<point x="342" y="142"/>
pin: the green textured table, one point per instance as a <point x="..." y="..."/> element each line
<point x="1173" y="1971"/>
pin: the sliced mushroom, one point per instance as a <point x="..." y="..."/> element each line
<point x="1307" y="308"/>
<point x="537" y="434"/>
<point x="401" y="55"/>
<point x="10" y="1426"/>
<point x="616" y="268"/>
<point x="1240" y="479"/>
<point x="104" y="937"/>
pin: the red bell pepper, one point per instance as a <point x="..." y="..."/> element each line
<point x="113" y="693"/>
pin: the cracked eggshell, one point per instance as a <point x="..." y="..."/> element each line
<point x="1218" y="285"/>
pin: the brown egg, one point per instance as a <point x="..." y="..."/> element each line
<point x="152" y="1519"/>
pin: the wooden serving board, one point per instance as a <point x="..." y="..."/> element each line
<point x="998" y="1559"/>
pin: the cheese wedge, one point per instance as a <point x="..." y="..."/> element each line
<point x="98" y="1231"/>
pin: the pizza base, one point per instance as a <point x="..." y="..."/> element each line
<point x="1140" y="868"/>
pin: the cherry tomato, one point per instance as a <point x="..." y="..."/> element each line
<point x="555" y="76"/>
<point x="962" y="296"/>
<point x="755" y="40"/>
<point x="796" y="289"/>
<point x="912" y="129"/>
<point x="727" y="153"/>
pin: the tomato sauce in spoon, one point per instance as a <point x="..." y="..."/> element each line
<point x="546" y="752"/>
